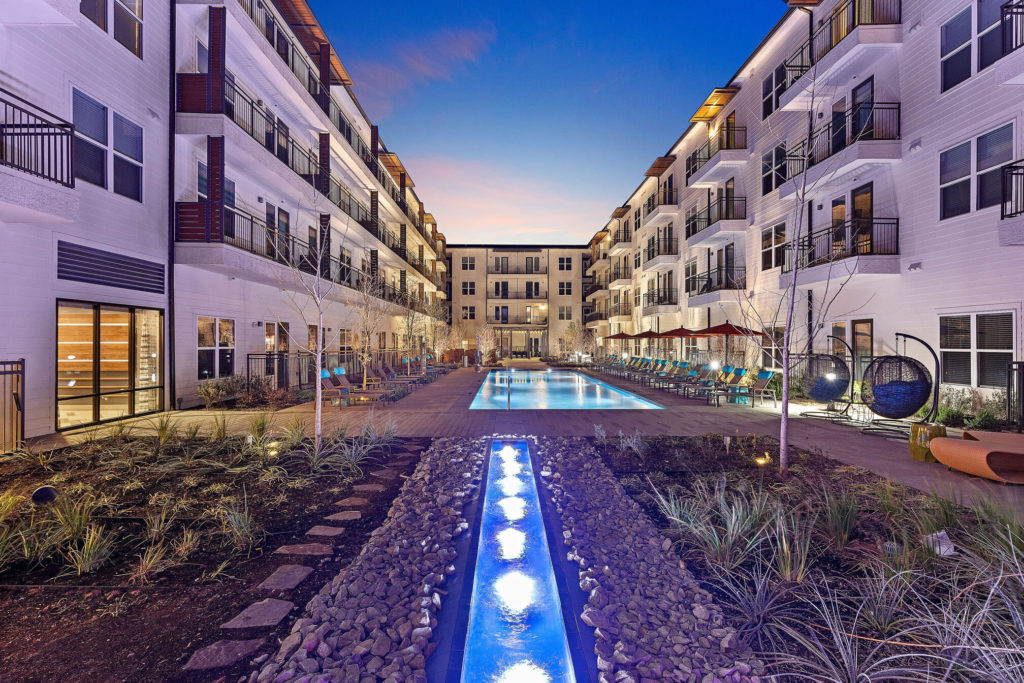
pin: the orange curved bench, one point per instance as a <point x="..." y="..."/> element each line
<point x="993" y="455"/>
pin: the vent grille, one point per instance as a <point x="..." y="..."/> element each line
<point x="85" y="264"/>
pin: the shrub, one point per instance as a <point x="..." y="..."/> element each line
<point x="985" y="420"/>
<point x="952" y="417"/>
<point x="91" y="552"/>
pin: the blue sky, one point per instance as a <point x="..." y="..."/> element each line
<point x="529" y="124"/>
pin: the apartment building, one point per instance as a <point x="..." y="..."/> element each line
<point x="870" y="146"/>
<point x="171" y="182"/>
<point x="530" y="294"/>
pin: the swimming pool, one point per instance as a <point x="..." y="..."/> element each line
<point x="553" y="390"/>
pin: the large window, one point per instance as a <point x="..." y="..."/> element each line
<point x="565" y="289"/>
<point x="981" y="159"/>
<point x="773" y="169"/>
<point x="93" y="152"/>
<point x="565" y="312"/>
<point x="469" y="312"/>
<point x="468" y="288"/>
<point x="215" y="344"/>
<point x="771" y="90"/>
<point x="565" y="263"/>
<point x="956" y="50"/>
<point x="109" y="362"/>
<point x="127" y="20"/>
<point x="469" y="263"/>
<point x="976" y="348"/>
<point x="771" y="352"/>
<point x="773" y="246"/>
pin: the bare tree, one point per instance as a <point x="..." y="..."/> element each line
<point x="436" y="326"/>
<point x="413" y="324"/>
<point x="456" y="334"/>
<point x="372" y="313"/>
<point x="486" y="340"/>
<point x="577" y="340"/>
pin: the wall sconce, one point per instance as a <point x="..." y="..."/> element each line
<point x="258" y="323"/>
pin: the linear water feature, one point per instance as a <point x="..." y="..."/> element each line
<point x="516" y="632"/>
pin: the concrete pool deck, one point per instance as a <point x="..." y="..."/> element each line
<point x="442" y="409"/>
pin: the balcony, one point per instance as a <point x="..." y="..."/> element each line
<point x="661" y="253"/>
<point x="38" y="148"/>
<point x="849" y="39"/>
<point x="518" y="294"/>
<point x="862" y="246"/>
<point x="597" y="288"/>
<point x="655" y="299"/>
<point x="707" y="288"/>
<point x="1011" y="224"/>
<point x="516" y="270"/>
<point x="1010" y="68"/>
<point x="600" y="262"/>
<point x="717" y="221"/>
<point x="620" y="313"/>
<point x="622" y="240"/>
<point x="661" y="207"/>
<point x="217" y="240"/>
<point x="620" y="276"/>
<point x="521" y="320"/>
<point x="595" y="317"/>
<point x="718" y="158"/>
<point x="865" y="133"/>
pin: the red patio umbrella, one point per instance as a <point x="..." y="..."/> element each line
<point x="679" y="333"/>
<point x="727" y="329"/>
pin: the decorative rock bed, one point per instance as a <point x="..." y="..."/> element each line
<point x="374" y="620"/>
<point x="652" y="620"/>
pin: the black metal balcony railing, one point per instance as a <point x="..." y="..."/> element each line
<point x="665" y="196"/>
<point x="516" y="270"/>
<point x="660" y="297"/>
<point x="870" y="121"/>
<point x="517" y="294"/>
<point x="595" y="316"/>
<point x="716" y="280"/>
<point x="248" y="233"/>
<point x="622" y="236"/>
<point x="857" y="237"/>
<point x="664" y="246"/>
<point x="722" y="209"/>
<point x="517" y="320"/>
<point x="34" y="141"/>
<point x="727" y="138"/>
<point x="620" y="309"/>
<point x="840" y="23"/>
<point x="1013" y="26"/>
<point x="620" y="273"/>
<point x="595" y="285"/>
<point x="1013" y="190"/>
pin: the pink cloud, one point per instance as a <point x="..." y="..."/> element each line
<point x="479" y="202"/>
<point x="436" y="57"/>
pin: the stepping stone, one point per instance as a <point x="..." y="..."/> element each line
<point x="384" y="474"/>
<point x="353" y="502"/>
<point x="326" y="531"/>
<point x="268" y="612"/>
<point x="222" y="653"/>
<point x="345" y="516"/>
<point x="369" y="488"/>
<point x="286" y="577"/>
<point x="305" y="549"/>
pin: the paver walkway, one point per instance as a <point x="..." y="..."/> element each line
<point x="442" y="409"/>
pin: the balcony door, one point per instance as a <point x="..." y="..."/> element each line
<point x="501" y="264"/>
<point x="730" y="131"/>
<point x="501" y="290"/>
<point x="838" y="134"/>
<point x="839" y="227"/>
<point x="532" y="264"/>
<point x="863" y="110"/>
<point x="529" y="315"/>
<point x="863" y="203"/>
<point x="863" y="346"/>
<point x="501" y="314"/>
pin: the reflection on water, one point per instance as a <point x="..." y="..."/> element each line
<point x="516" y="633"/>
<point x="552" y="390"/>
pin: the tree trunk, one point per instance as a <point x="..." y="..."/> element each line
<point x="318" y="424"/>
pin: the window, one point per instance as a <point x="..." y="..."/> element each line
<point x="469" y="263"/>
<point x="109" y="362"/>
<point x="956" y="50"/>
<point x="690" y="276"/>
<point x="468" y="288"/>
<point x="771" y="90"/>
<point x="990" y="32"/>
<point x="565" y="289"/>
<point x="127" y="20"/>
<point x="91" y="144"/>
<point x="636" y="259"/>
<point x="771" y="353"/>
<point x="565" y="263"/>
<point x="203" y="181"/>
<point x="773" y="246"/>
<point x="565" y="312"/>
<point x="992" y="151"/>
<point x="215" y="347"/>
<point x="773" y="169"/>
<point x="469" y="312"/>
<point x="982" y="363"/>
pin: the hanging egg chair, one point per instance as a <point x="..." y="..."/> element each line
<point x="827" y="378"/>
<point x="896" y="387"/>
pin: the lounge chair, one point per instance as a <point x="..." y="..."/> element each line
<point x="725" y="388"/>
<point x="357" y="393"/>
<point x="992" y="455"/>
<point x="332" y="389"/>
<point x="759" y="388"/>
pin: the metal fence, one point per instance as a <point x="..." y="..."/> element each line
<point x="1015" y="395"/>
<point x="35" y="141"/>
<point x="297" y="370"/>
<point x="12" y="404"/>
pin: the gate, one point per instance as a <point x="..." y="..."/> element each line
<point x="12" y="404"/>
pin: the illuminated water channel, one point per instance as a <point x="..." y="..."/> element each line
<point x="516" y="632"/>
<point x="552" y="390"/>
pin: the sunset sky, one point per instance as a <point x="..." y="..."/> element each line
<point x="523" y="123"/>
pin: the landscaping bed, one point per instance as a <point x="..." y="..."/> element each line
<point x="153" y="542"/>
<point x="833" y="573"/>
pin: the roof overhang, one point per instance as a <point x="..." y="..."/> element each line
<point x="395" y="167"/>
<point x="311" y="34"/>
<point x="620" y="211"/>
<point x="659" y="166"/>
<point x="715" y="102"/>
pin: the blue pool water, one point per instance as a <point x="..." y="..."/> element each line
<point x="516" y="633"/>
<point x="553" y="390"/>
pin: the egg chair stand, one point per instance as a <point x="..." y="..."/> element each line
<point x="896" y="387"/>
<point x="829" y="380"/>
